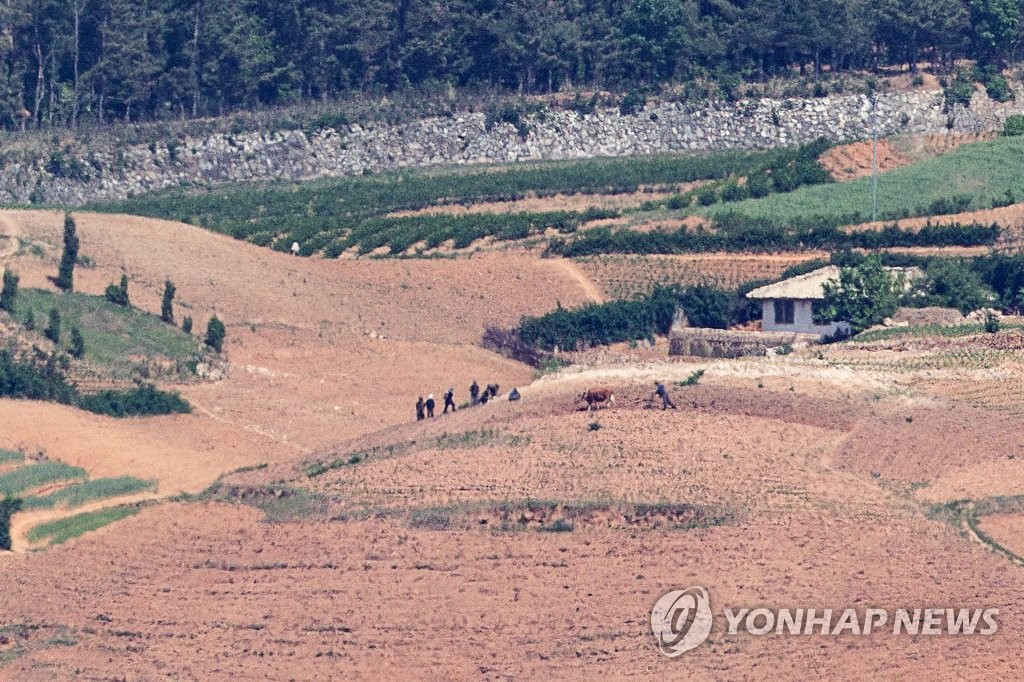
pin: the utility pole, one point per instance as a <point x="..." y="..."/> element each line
<point x="874" y="156"/>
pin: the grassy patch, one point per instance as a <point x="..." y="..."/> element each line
<point x="693" y="379"/>
<point x="7" y="456"/>
<point x="973" y="176"/>
<point x="446" y="441"/>
<point x="279" y="504"/>
<point x="81" y="493"/>
<point x="36" y="475"/>
<point x="115" y="337"/>
<point x="62" y="530"/>
<point x="949" y="331"/>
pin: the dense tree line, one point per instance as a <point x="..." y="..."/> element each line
<point x="64" y="61"/>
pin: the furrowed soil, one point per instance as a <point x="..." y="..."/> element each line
<point x="514" y="539"/>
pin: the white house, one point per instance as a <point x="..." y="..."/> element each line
<point x="789" y="305"/>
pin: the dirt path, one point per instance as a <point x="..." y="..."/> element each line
<point x="574" y="271"/>
<point x="8" y="237"/>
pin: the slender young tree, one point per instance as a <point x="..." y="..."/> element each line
<point x="66" y="272"/>
<point x="52" y="330"/>
<point x="9" y="292"/>
<point x="167" y="306"/>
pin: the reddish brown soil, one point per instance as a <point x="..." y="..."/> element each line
<point x="851" y="161"/>
<point x="814" y="486"/>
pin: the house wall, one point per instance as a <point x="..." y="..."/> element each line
<point x="803" y="319"/>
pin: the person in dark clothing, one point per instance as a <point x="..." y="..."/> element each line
<point x="484" y="397"/>
<point x="513" y="394"/>
<point x="419" y="409"/>
<point x="430" y="406"/>
<point x="474" y="392"/>
<point x="449" y="400"/>
<point x="660" y="391"/>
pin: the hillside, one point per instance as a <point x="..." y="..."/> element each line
<point x="973" y="176"/>
<point x="301" y="523"/>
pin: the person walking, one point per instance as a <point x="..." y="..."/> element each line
<point x="474" y="392"/>
<point x="660" y="391"/>
<point x="430" y="406"/>
<point x="419" y="409"/>
<point x="449" y="400"/>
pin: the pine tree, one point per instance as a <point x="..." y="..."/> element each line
<point x="66" y="271"/>
<point x="167" y="307"/>
<point x="9" y="292"/>
<point x="215" y="333"/>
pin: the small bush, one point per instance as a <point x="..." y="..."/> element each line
<point x="960" y="91"/>
<point x="559" y="526"/>
<point x="992" y="324"/>
<point x="693" y="379"/>
<point x="733" y="191"/>
<point x="30" y="320"/>
<point x="1014" y="125"/>
<point x="707" y="195"/>
<point x="215" y="333"/>
<point x="186" y="324"/>
<point x="9" y="293"/>
<point x="52" y="331"/>
<point x="77" y="345"/>
<point x="594" y="426"/>
<point x="118" y="293"/>
<point x="632" y="103"/>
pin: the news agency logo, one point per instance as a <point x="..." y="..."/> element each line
<point x="681" y="620"/>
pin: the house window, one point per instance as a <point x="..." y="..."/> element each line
<point x="783" y="312"/>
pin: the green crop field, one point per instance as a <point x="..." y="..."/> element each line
<point x="7" y="456"/>
<point x="113" y="335"/>
<point x="77" y="494"/>
<point x="64" y="529"/>
<point x="971" y="177"/>
<point x="35" y="475"/>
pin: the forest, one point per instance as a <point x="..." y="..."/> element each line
<point x="63" y="62"/>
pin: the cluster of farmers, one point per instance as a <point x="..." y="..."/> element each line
<point x="425" y="408"/>
<point x="593" y="397"/>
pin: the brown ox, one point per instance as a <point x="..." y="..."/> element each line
<point x="595" y="397"/>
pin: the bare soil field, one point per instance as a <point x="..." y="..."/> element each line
<point x="515" y="539"/>
<point x="851" y="161"/>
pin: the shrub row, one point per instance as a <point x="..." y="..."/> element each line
<point x="400" y="234"/>
<point x="784" y="171"/>
<point x="34" y="378"/>
<point x="744" y="234"/>
<point x="602" y="323"/>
